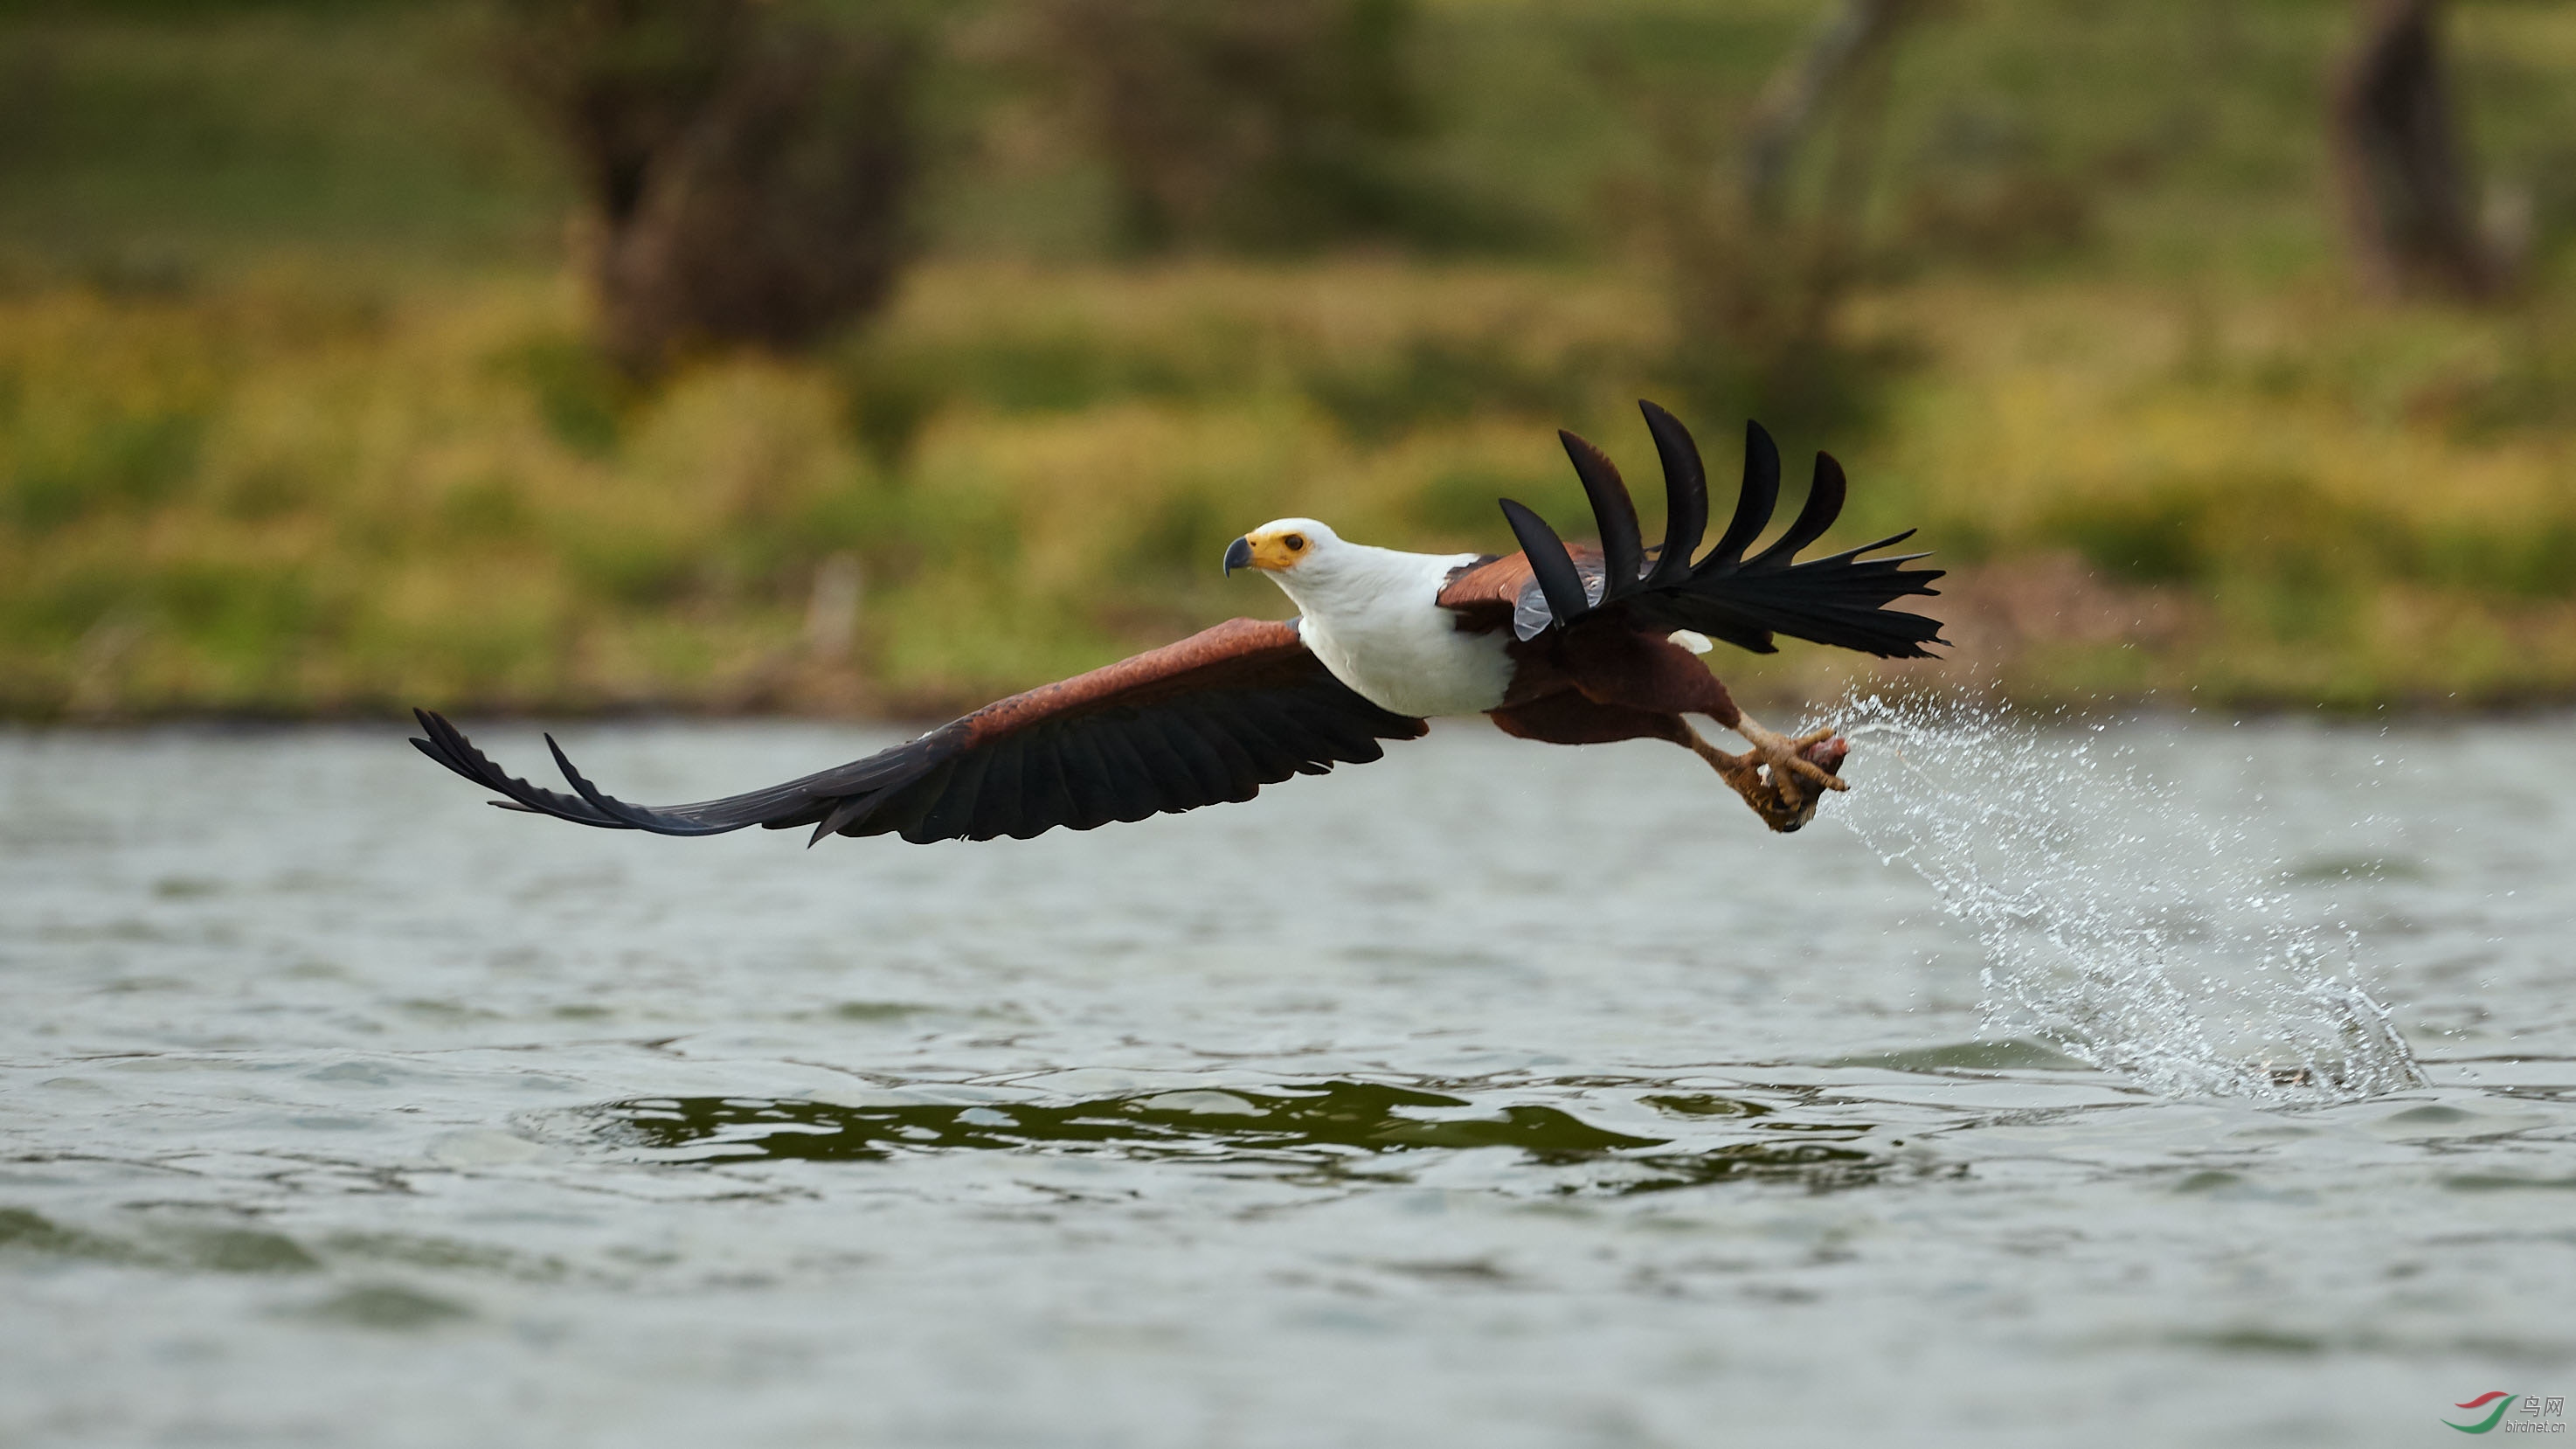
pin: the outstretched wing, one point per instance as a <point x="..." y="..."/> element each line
<point x="1212" y="718"/>
<point x="1840" y="599"/>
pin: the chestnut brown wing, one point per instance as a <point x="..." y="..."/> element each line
<point x="1212" y="718"/>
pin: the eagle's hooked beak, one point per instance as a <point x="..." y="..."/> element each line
<point x="1238" y="555"/>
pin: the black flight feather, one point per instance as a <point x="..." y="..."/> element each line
<point x="1754" y="502"/>
<point x="1614" y="514"/>
<point x="1551" y="567"/>
<point x="1685" y="495"/>
<point x="1824" y="505"/>
<point x="1840" y="599"/>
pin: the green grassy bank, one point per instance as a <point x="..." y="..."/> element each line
<point x="269" y="499"/>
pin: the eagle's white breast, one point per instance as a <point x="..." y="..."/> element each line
<point x="1372" y="616"/>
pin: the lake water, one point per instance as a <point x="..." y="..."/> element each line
<point x="2168" y="1082"/>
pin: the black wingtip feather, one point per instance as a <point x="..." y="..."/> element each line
<point x="1824" y="504"/>
<point x="1754" y="504"/>
<point x="838" y="816"/>
<point x="1559" y="582"/>
<point x="1614" y="516"/>
<point x="448" y="745"/>
<point x="604" y="804"/>
<point x="447" y="761"/>
<point x="1685" y="494"/>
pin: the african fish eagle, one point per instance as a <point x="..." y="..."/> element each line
<point x="1569" y="645"/>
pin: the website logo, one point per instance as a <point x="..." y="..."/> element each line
<point x="2539" y="1415"/>
<point x="2497" y="1397"/>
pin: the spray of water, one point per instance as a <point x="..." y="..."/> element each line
<point x="2118" y="924"/>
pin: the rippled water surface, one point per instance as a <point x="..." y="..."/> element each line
<point x="2171" y="1082"/>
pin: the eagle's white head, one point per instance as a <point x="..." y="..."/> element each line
<point x="1321" y="572"/>
<point x="1288" y="547"/>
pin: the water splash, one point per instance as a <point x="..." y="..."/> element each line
<point x="2119" y="925"/>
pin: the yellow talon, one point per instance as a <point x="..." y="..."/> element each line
<point x="1778" y="776"/>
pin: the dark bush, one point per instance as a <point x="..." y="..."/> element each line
<point x="1260" y="125"/>
<point x="1760" y="216"/>
<point x="1757" y="308"/>
<point x="748" y="164"/>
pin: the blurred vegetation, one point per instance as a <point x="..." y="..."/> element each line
<point x="1253" y="125"/>
<point x="748" y="169"/>
<point x="300" y="412"/>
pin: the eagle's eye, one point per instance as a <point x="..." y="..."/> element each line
<point x="1296" y="542"/>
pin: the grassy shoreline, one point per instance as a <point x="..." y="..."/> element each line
<point x="271" y="497"/>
